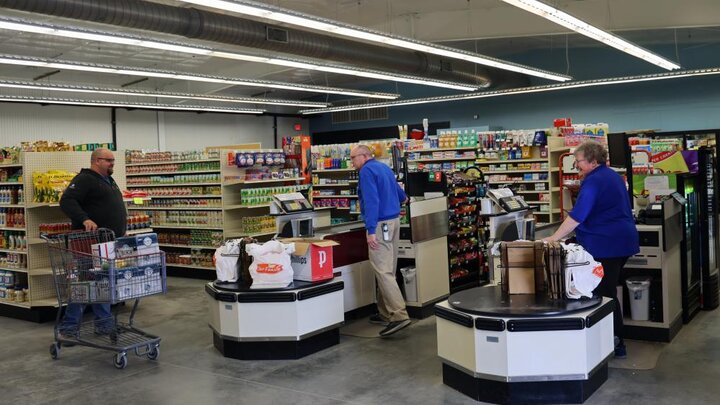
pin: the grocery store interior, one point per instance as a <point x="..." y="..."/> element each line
<point x="236" y="123"/>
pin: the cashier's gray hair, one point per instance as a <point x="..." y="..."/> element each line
<point x="364" y="150"/>
<point x="593" y="152"/>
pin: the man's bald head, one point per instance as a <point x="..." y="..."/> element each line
<point x="102" y="161"/>
<point x="359" y="155"/>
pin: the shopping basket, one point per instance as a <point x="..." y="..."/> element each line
<point x="83" y="276"/>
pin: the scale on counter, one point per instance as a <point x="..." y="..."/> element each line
<point x="290" y="203"/>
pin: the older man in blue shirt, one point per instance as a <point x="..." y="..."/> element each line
<point x="380" y="199"/>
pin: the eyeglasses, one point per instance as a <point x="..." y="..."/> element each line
<point x="353" y="157"/>
<point x="107" y="160"/>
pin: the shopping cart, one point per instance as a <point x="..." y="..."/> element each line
<point x="83" y="277"/>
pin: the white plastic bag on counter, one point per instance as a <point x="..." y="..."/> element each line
<point x="226" y="258"/>
<point x="271" y="266"/>
<point x="582" y="273"/>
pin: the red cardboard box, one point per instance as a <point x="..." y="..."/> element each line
<point x="313" y="258"/>
<point x="562" y="122"/>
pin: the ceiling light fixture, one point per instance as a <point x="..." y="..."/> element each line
<point x="154" y="94"/>
<point x="566" y="20"/>
<point x="524" y="90"/>
<point x="147" y="106"/>
<point x="166" y="74"/>
<point x="124" y="39"/>
<point x="285" y="16"/>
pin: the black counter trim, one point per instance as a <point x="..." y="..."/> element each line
<point x="454" y="317"/>
<point x="320" y="290"/>
<point x="541" y="325"/>
<point x="495" y="325"/>
<point x="266" y="297"/>
<point x="600" y="313"/>
<point x="220" y="296"/>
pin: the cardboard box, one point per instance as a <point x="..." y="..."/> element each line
<point x="523" y="267"/>
<point x="125" y="247"/>
<point x="102" y="250"/>
<point x="313" y="258"/>
<point x="521" y="280"/>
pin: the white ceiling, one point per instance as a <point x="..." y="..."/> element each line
<point x="490" y="26"/>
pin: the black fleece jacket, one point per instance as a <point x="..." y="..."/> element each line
<point x="89" y="196"/>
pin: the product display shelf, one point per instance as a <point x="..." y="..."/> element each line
<point x="464" y="250"/>
<point x="20" y="252"/>
<point x="189" y="210"/>
<point x="138" y="231"/>
<point x="166" y="162"/>
<point x="187" y="246"/>
<point x="237" y="211"/>
<point x="349" y="180"/>
<point x="10" y="183"/>
<point x="10" y="165"/>
<point x="558" y="150"/>
<point x="191" y="266"/>
<point x="455" y="159"/>
<point x="41" y="299"/>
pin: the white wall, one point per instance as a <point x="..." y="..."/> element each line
<point x="30" y="122"/>
<point x="139" y="129"/>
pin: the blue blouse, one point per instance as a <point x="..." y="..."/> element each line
<point x="607" y="227"/>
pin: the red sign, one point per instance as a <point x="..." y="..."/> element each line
<point x="297" y="127"/>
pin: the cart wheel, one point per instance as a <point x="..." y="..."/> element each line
<point x="154" y="353"/>
<point x="120" y="361"/>
<point x="54" y="350"/>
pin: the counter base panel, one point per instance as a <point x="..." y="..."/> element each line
<point x="535" y="392"/>
<point x="276" y="350"/>
<point x="653" y="334"/>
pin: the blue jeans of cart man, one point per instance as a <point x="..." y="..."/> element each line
<point x="73" y="317"/>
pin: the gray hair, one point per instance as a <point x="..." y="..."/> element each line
<point x="364" y="150"/>
<point x="593" y="152"/>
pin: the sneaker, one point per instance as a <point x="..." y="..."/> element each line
<point x="620" y="351"/>
<point x="378" y="320"/>
<point x="393" y="327"/>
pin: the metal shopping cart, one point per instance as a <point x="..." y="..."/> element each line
<point x="84" y="276"/>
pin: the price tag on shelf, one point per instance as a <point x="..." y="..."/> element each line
<point x="138" y="200"/>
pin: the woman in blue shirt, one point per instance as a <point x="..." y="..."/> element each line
<point x="603" y="223"/>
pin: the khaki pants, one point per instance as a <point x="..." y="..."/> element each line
<point x="391" y="304"/>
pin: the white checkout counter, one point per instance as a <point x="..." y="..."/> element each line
<point x="508" y="349"/>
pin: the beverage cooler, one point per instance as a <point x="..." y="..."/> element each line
<point x="699" y="248"/>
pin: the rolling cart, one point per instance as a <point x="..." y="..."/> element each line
<point x="82" y="277"/>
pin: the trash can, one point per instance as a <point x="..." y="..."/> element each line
<point x="639" y="293"/>
<point x="409" y="274"/>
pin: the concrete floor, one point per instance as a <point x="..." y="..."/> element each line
<point x="402" y="370"/>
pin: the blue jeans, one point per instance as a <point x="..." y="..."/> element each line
<point x="73" y="317"/>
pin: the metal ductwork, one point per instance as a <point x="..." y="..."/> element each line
<point x="209" y="26"/>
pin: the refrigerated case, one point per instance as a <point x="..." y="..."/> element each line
<point x="699" y="270"/>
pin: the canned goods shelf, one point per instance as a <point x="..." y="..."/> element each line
<point x="169" y="226"/>
<point x="180" y="208"/>
<point x="138" y="231"/>
<point x="172" y="185"/>
<point x="178" y="173"/>
<point x="187" y="246"/>
<point x="169" y="162"/>
<point x="4" y="228"/>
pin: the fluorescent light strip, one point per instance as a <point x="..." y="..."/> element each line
<point x="524" y="90"/>
<point x="117" y="38"/>
<point x="256" y="9"/>
<point x="149" y="106"/>
<point x="566" y="20"/>
<point x="76" y="66"/>
<point x="155" y="94"/>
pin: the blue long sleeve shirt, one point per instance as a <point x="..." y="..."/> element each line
<point x="607" y="228"/>
<point x="380" y="195"/>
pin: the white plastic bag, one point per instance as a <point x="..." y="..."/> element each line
<point x="271" y="266"/>
<point x="582" y="273"/>
<point x="226" y="258"/>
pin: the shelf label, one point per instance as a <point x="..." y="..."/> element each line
<point x="138" y="200"/>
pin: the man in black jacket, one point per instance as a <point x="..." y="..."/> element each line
<point x="93" y="200"/>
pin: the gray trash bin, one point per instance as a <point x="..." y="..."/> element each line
<point x="639" y="293"/>
<point x="409" y="274"/>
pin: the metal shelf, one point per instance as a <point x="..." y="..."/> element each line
<point x="489" y="172"/>
<point x="4" y="165"/>
<point x="488" y="162"/>
<point x="187" y="196"/>
<point x="169" y="162"/>
<point x="12" y="206"/>
<point x="190" y="266"/>
<point x="241" y="206"/>
<point x="234" y="182"/>
<point x="252" y="235"/>
<point x="168" y="226"/>
<point x="533" y="192"/>
<point x="42" y="205"/>
<point x="517" y="181"/>
<point x="20" y="252"/>
<point x="441" y="149"/>
<point x="24" y="304"/>
<point x="178" y="173"/>
<point x="538" y="202"/>
<point x="14" y="270"/>
<point x="45" y="302"/>
<point x="457" y="159"/>
<point x="10" y="183"/>
<point x="181" y="208"/>
<point x="138" y="231"/>
<point x="187" y="246"/>
<point x="336" y="196"/>
<point x="129" y="186"/>
<point x="331" y="185"/>
<point x="2" y="228"/>
<point x="332" y="171"/>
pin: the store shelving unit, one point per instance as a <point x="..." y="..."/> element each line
<point x="464" y="250"/>
<point x="41" y="302"/>
<point x="345" y="179"/>
<point x="157" y="205"/>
